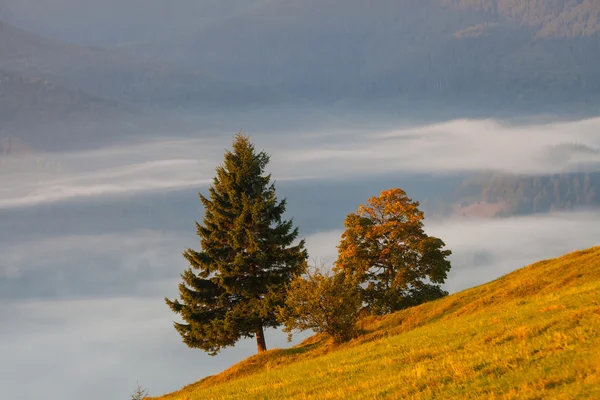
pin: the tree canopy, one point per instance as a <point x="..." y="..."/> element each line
<point x="235" y="284"/>
<point x="384" y="244"/>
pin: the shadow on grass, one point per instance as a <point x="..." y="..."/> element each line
<point x="301" y="349"/>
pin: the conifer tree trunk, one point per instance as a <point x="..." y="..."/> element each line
<point x="260" y="339"/>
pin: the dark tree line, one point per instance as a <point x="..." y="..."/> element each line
<point x="535" y="194"/>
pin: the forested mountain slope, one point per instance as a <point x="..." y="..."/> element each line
<point x="119" y="76"/>
<point x="491" y="56"/>
<point x="484" y="53"/>
<point x="35" y="100"/>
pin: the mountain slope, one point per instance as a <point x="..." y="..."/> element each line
<point x="39" y="113"/>
<point x="35" y="100"/>
<point x="120" y="76"/>
<point x="534" y="333"/>
<point x="510" y="195"/>
<point x="484" y="53"/>
<point x="491" y="55"/>
<point x="549" y="18"/>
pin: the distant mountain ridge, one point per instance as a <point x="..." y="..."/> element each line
<point x="35" y="111"/>
<point x="35" y="100"/>
<point x="55" y="94"/>
<point x="573" y="186"/>
<point x="550" y="18"/>
<point x="498" y="54"/>
<point x="427" y="59"/>
<point x="493" y="55"/>
<point x="118" y="76"/>
<point x="509" y="195"/>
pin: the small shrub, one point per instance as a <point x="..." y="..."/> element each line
<point x="324" y="302"/>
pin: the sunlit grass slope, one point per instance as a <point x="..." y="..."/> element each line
<point x="532" y="334"/>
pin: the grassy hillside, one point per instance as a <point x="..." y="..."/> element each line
<point x="532" y="334"/>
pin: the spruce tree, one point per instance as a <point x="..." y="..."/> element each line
<point x="236" y="283"/>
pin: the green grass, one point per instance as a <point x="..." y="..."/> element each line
<point x="532" y="334"/>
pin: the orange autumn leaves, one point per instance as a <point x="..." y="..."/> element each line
<point x="386" y="262"/>
<point x="385" y="246"/>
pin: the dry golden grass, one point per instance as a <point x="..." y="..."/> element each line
<point x="532" y="334"/>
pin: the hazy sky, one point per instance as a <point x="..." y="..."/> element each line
<point x="91" y="241"/>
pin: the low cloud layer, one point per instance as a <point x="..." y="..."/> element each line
<point x="120" y="170"/>
<point x="162" y="165"/>
<point x="98" y="349"/>
<point x="135" y="263"/>
<point x="487" y="249"/>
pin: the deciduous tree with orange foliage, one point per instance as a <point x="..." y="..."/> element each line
<point x="385" y="245"/>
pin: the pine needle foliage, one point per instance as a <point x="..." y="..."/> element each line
<point x="235" y="284"/>
<point x="398" y="264"/>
